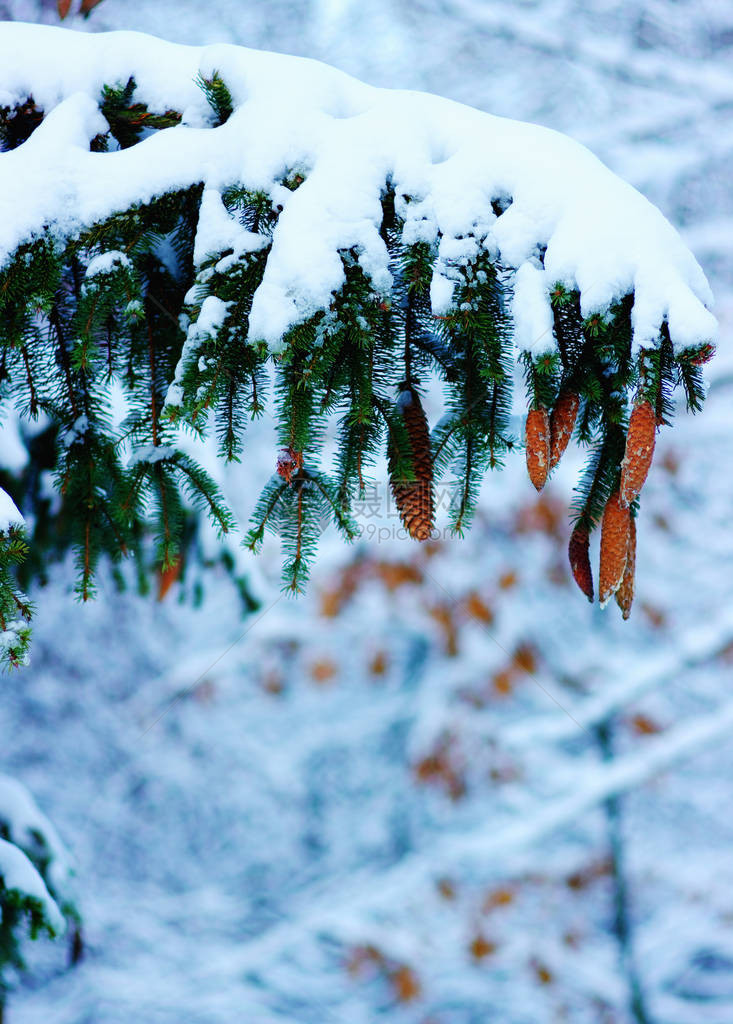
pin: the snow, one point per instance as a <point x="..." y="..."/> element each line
<point x="598" y="234"/>
<point x="107" y="263"/>
<point x="532" y="312"/>
<point x="77" y="431"/>
<point x="151" y="453"/>
<point x="218" y="230"/>
<point x="9" y="515"/>
<point x="211" y="316"/>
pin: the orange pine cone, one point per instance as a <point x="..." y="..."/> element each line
<point x="639" y="451"/>
<point x="414" y="498"/>
<point x="703" y="355"/>
<point x="578" y="552"/>
<point x="614" y="547"/>
<point x="537" y="437"/>
<point x="625" y="593"/>
<point x="562" y="424"/>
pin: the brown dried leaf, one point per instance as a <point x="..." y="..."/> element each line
<point x="644" y="725"/>
<point x="478" y="609"/>
<point x="323" y="671"/>
<point x="447" y="889"/>
<point x="481" y="947"/>
<point x="525" y="659"/>
<point x="507" y="580"/>
<point x="378" y="664"/>
<point x="500" y="897"/>
<point x="406" y="984"/>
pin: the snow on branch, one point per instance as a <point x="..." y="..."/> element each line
<point x="594" y="232"/>
<point x="25" y="825"/>
<point x="21" y="883"/>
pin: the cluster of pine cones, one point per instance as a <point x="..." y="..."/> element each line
<point x="547" y="437"/>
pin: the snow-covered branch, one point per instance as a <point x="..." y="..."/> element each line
<point x="591" y="231"/>
<point x="21" y="879"/>
<point x="333" y="909"/>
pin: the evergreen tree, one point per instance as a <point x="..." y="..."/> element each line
<point x="152" y="303"/>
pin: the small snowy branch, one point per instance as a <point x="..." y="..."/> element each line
<point x="29" y="828"/>
<point x="366" y="894"/>
<point x="19" y="876"/>
<point x="696" y="647"/>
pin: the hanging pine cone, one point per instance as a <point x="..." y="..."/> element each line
<point x="578" y="552"/>
<point x="288" y="463"/>
<point x="414" y="498"/>
<point x="625" y="593"/>
<point x="639" y="451"/>
<point x="614" y="547"/>
<point x="537" y="440"/>
<point x="562" y="424"/>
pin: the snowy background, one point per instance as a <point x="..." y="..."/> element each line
<point x="441" y="789"/>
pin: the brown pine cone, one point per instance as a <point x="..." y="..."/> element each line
<point x="562" y="424"/>
<point x="614" y="547"/>
<point x="537" y="438"/>
<point x="414" y="498"/>
<point x="580" y="560"/>
<point x="625" y="593"/>
<point x="704" y="354"/>
<point x="639" y="451"/>
<point x="288" y="462"/>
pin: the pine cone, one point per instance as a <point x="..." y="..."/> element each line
<point x="562" y="424"/>
<point x="614" y="547"/>
<point x="414" y="498"/>
<point x="639" y="451"/>
<point x="625" y="593"/>
<point x="578" y="552"/>
<point x="537" y="438"/>
<point x="288" y="463"/>
<point x="703" y="355"/>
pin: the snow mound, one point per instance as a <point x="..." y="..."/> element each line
<point x="558" y="215"/>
